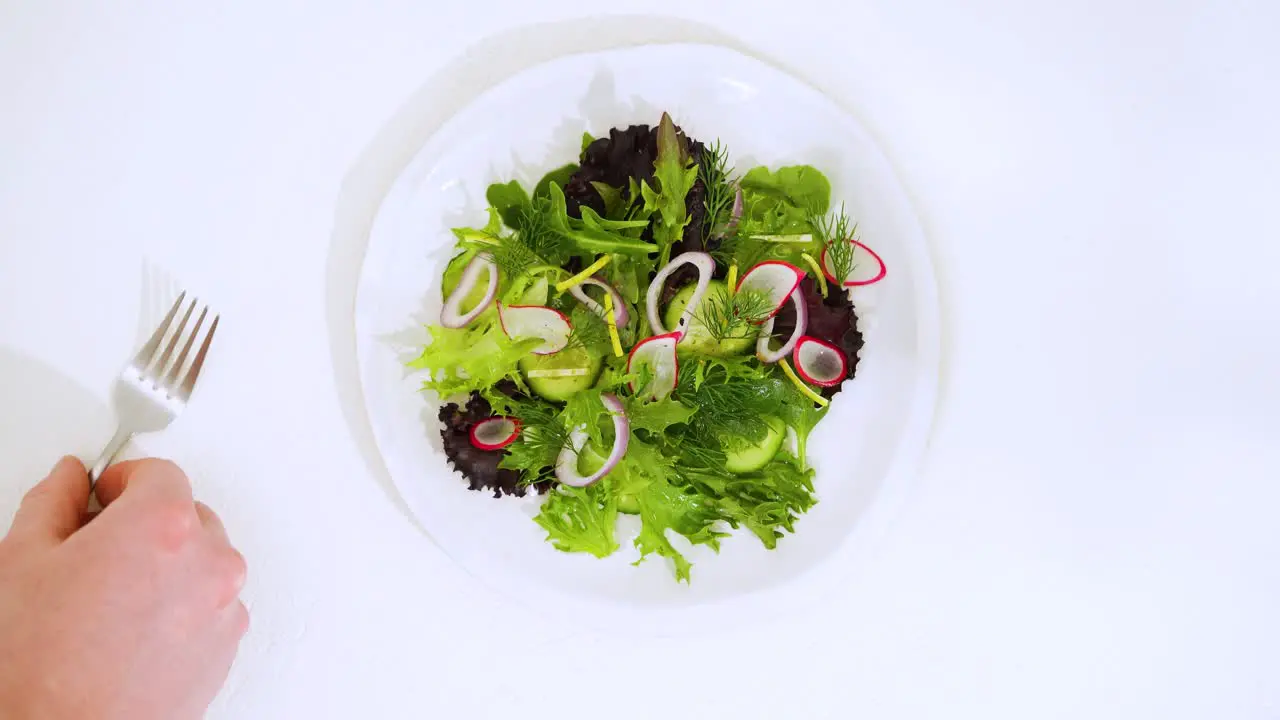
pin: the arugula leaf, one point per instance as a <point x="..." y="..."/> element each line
<point x="510" y="200"/>
<point x="675" y="174"/>
<point x="581" y="519"/>
<point x="614" y="206"/>
<point x="586" y="239"/>
<point x="471" y="358"/>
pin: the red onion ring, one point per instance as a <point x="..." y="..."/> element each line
<point x="450" y="316"/>
<point x="763" y="352"/>
<point x="567" y="462"/>
<point x="706" y="268"/>
<point x="620" y="314"/>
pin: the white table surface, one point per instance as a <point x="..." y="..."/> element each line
<point x="1093" y="535"/>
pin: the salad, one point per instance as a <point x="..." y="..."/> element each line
<point x="646" y="332"/>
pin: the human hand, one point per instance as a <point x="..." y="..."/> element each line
<point x="133" y="615"/>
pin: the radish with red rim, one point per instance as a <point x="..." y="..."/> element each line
<point x="819" y="362"/>
<point x="495" y="433"/>
<point x="522" y="322"/>
<point x="706" y="266"/>
<point x="776" y="279"/>
<point x="862" y="273"/>
<point x="567" y="461"/>
<point x="767" y="354"/>
<point x="658" y="354"/>
<point x="451" y="315"/>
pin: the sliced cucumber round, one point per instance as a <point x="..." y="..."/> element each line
<point x="697" y="340"/>
<point x="560" y="376"/>
<point x="751" y="457"/>
<point x="590" y="461"/>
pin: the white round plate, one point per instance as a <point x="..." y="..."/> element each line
<point x="865" y="451"/>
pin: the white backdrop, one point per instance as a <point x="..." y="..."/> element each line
<point x="1093" y="534"/>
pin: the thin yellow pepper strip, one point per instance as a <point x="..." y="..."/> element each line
<point x="611" y="320"/>
<point x="808" y="391"/>
<point x="585" y="275"/>
<point x="732" y="280"/>
<point x="817" y="271"/>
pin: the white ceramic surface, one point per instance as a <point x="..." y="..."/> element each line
<point x="865" y="451"/>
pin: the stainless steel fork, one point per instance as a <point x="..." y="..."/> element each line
<point x="153" y="388"/>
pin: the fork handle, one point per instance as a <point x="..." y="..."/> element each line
<point x="113" y="448"/>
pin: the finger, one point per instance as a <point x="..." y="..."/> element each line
<point x="152" y="478"/>
<point x="210" y="520"/>
<point x="54" y="508"/>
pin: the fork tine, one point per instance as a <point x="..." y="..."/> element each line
<point x="163" y="363"/>
<point x="189" y="382"/>
<point x="172" y="377"/>
<point x="143" y="358"/>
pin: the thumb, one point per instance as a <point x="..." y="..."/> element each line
<point x="55" y="508"/>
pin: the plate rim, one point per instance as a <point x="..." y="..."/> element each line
<point x="901" y="476"/>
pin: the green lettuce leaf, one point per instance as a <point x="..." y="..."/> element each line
<point x="581" y="519"/>
<point x="675" y="173"/>
<point x="510" y="200"/>
<point x="560" y="177"/>
<point x="781" y="204"/>
<point x="471" y="358"/>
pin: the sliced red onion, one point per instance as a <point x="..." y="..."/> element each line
<point x="451" y="314"/>
<point x="567" y="462"/>
<point x="658" y="353"/>
<point x="495" y="433"/>
<point x="775" y="278"/>
<point x="862" y="273"/>
<point x="735" y="214"/>
<point x="819" y="362"/>
<point x="521" y="322"/>
<point x="706" y="267"/>
<point x="620" y="314"/>
<point x="769" y="356"/>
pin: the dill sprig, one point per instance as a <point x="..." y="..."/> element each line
<point x="746" y="251"/>
<point x="715" y="173"/>
<point x="835" y="231"/>
<point x="723" y="318"/>
<point x="589" y="330"/>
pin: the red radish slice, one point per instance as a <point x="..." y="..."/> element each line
<point x="865" y="272"/>
<point x="521" y="322"/>
<point x="706" y="267"/>
<point x="770" y="356"/>
<point x="620" y="315"/>
<point x="567" y="461"/>
<point x="495" y="433"/>
<point x="658" y="354"/>
<point x="819" y="362"/>
<point x="775" y="278"/>
<point x="451" y="315"/>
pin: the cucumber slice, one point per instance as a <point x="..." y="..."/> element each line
<point x="696" y="339"/>
<point x="590" y="461"/>
<point x="560" y="376"/>
<point x="749" y="458"/>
